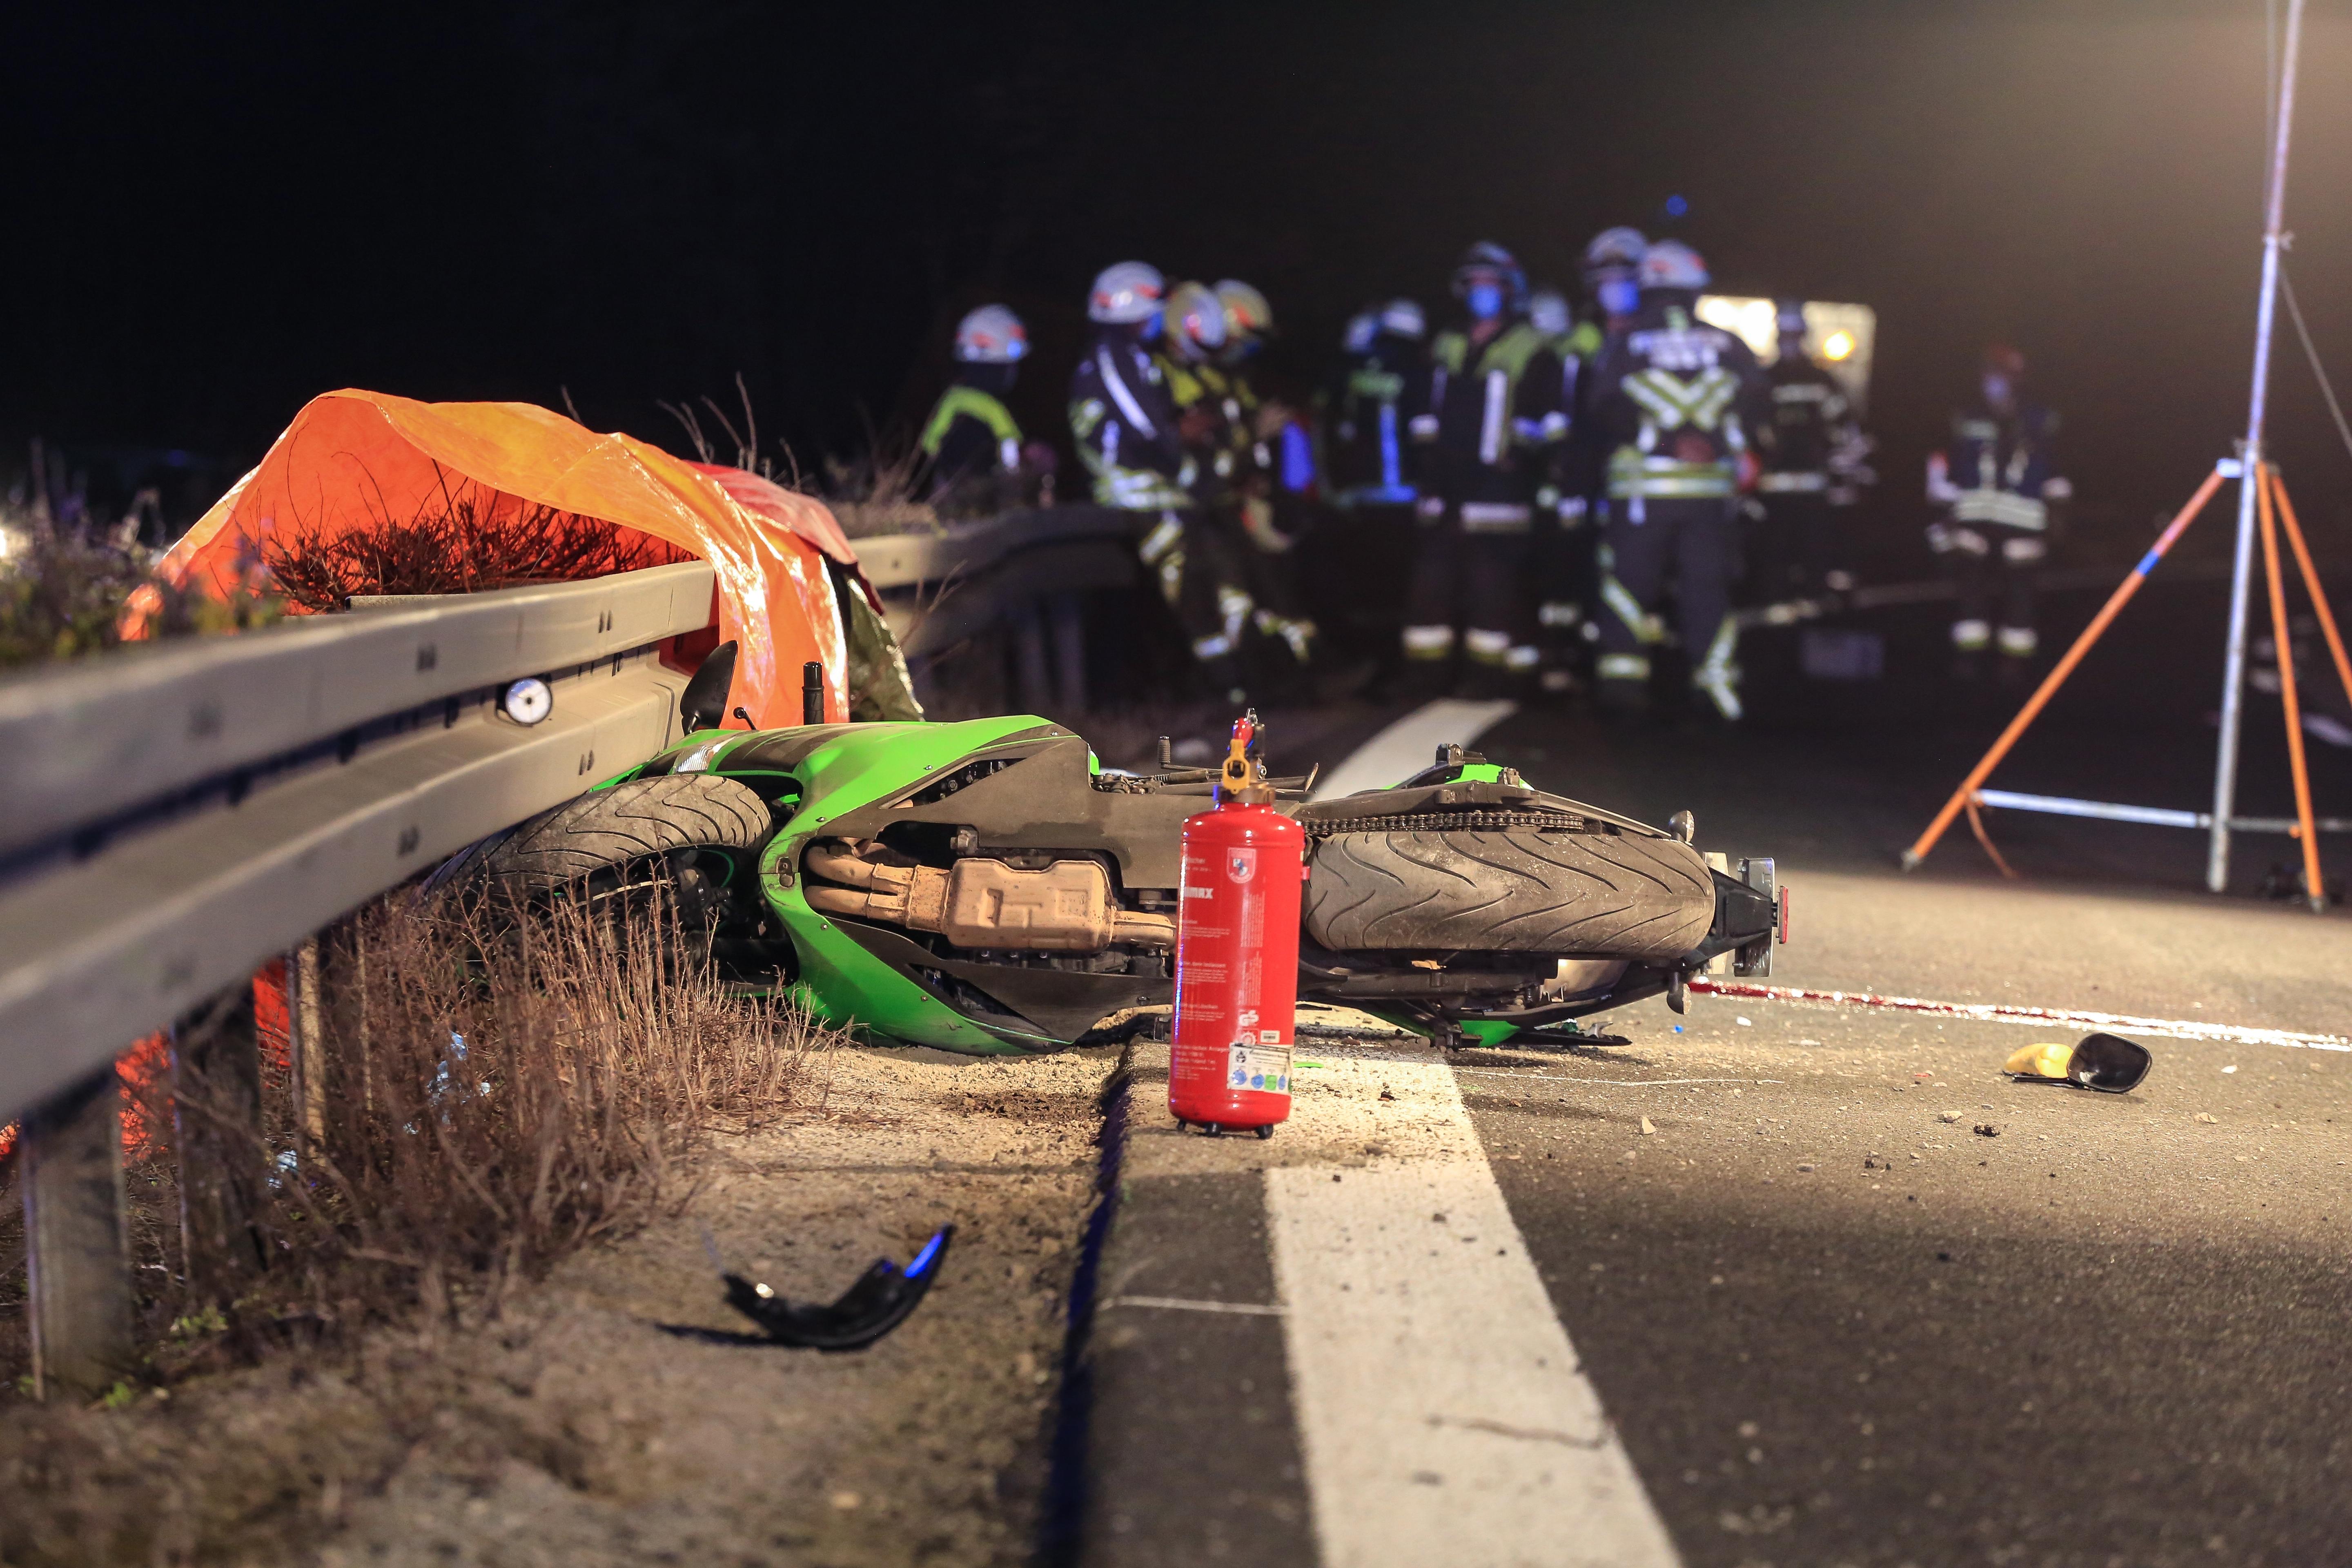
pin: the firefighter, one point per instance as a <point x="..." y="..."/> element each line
<point x="1569" y="537"/>
<point x="1205" y="568"/>
<point x="1562" y="557"/>
<point x="1121" y="414"/>
<point x="1274" y="469"/>
<point x="971" y="445"/>
<point x="1365" y="549"/>
<point x="1124" y="421"/>
<point x="1997" y="485"/>
<point x="1674" y="397"/>
<point x="1384" y="379"/>
<point x="1611" y="263"/>
<point x="1805" y="443"/>
<point x="1486" y="436"/>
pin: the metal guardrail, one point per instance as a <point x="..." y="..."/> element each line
<point x="179" y="813"/>
<point x="940" y="588"/>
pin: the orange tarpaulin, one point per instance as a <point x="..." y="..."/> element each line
<point x="351" y="459"/>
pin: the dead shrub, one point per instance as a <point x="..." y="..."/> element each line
<point x="63" y="589"/>
<point x="467" y="540"/>
<point x="499" y="1093"/>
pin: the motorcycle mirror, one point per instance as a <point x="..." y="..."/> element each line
<point x="704" y="706"/>
<point x="2109" y="1063"/>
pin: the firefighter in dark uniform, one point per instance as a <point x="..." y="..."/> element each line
<point x="1124" y="423"/>
<point x="1214" y="594"/>
<point x="1804" y="441"/>
<point x="1675" y="397"/>
<point x="1566" y="570"/>
<point x="1364" y="550"/>
<point x="1269" y="450"/>
<point x="1384" y="379"/>
<point x="971" y="445"/>
<point x="1998" y="486"/>
<point x="1493" y="419"/>
<point x="1562" y="556"/>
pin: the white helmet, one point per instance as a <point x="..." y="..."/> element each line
<point x="1671" y="264"/>
<point x="1196" y="320"/>
<point x="1404" y="319"/>
<point x="1547" y="312"/>
<point x="1247" y="315"/>
<point x="1127" y="291"/>
<point x="1613" y="250"/>
<point x="990" y="335"/>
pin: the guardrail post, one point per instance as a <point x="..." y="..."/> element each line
<point x="306" y="1044"/>
<point x="215" y="1130"/>
<point x="78" y="1255"/>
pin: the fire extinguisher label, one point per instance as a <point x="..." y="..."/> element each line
<point x="1241" y="865"/>
<point x="1249" y="1065"/>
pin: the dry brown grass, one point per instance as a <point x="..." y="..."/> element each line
<point x="63" y="589"/>
<point x="498" y="1095"/>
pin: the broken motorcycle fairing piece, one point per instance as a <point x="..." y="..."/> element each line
<point x="988" y="888"/>
<point x="880" y="1302"/>
<point x="2108" y="1063"/>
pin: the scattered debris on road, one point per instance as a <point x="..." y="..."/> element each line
<point x="1948" y="1117"/>
<point x="2207" y="1118"/>
<point x="1985" y="1129"/>
<point x="1648" y="1127"/>
<point x="881" y="1300"/>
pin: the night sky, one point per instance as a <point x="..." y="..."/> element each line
<point x="220" y="213"/>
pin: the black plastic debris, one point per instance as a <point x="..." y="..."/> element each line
<point x="881" y="1300"/>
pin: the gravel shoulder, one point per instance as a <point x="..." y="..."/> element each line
<point x="574" y="1429"/>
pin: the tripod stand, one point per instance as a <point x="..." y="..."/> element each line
<point x="2267" y="497"/>
<point x="2259" y="494"/>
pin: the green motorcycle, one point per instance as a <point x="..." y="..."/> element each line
<point x="989" y="887"/>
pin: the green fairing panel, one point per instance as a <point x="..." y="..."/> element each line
<point x="844" y="768"/>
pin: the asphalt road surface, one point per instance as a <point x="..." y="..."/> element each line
<point x="1846" y="1295"/>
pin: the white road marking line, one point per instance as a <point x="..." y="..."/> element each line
<point x="1999" y="1013"/>
<point x="1180" y="1304"/>
<point x="1409" y="745"/>
<point x="1444" y="1415"/>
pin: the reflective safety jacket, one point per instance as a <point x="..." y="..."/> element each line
<point x="970" y="432"/>
<point x="1675" y="398"/>
<point x="1998" y="470"/>
<point x="1368" y="447"/>
<point x="1125" y="423"/>
<point x="1493" y="416"/>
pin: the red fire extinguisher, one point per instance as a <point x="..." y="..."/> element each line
<point x="1237" y="953"/>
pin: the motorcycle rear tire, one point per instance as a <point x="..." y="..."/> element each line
<point x="1512" y="890"/>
